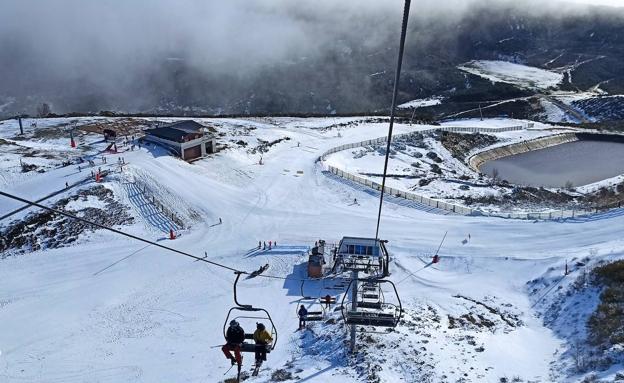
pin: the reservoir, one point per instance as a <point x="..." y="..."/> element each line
<point x="580" y="162"/>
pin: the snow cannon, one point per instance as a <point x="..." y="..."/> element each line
<point x="172" y="235"/>
<point x="98" y="177"/>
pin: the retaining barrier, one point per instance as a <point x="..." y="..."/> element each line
<point x="459" y="209"/>
<point x="479" y="159"/>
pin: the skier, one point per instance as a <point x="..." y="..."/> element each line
<point x="303" y="314"/>
<point x="66" y="185"/>
<point x="264" y="248"/>
<point x="259" y="245"/>
<point x="263" y="339"/>
<point x="355" y="201"/>
<point x="220" y="221"/>
<point x="270" y="242"/>
<point x="234" y="337"/>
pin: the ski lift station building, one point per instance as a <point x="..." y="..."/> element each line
<point x="188" y="139"/>
<point x="363" y="253"/>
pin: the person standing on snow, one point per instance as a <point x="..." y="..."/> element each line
<point x="303" y="314"/>
<point x="263" y="339"/>
<point x="234" y="337"/>
<point x="327" y="300"/>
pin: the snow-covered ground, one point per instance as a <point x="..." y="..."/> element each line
<point x="110" y="309"/>
<point x="421" y="103"/>
<point x="516" y="74"/>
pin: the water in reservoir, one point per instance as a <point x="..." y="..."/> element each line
<point x="580" y="162"/>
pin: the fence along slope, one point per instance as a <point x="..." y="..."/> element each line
<point x="457" y="209"/>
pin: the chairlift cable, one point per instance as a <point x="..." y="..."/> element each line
<point x="98" y="225"/>
<point x="393" y="110"/>
<point x="147" y="241"/>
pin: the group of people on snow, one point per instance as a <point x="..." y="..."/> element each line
<point x="263" y="245"/>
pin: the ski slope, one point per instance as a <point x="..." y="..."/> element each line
<point x="69" y="316"/>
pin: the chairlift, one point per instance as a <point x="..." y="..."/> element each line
<point x="371" y="309"/>
<point x="370" y="296"/>
<point x="249" y="313"/>
<point x="311" y="316"/>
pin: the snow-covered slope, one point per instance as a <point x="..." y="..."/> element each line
<point x="516" y="74"/>
<point x="110" y="309"/>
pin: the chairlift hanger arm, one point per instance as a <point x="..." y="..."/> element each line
<point x="238" y="275"/>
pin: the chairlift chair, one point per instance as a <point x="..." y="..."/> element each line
<point x="377" y="313"/>
<point x="370" y="296"/>
<point x="250" y="313"/>
<point x="311" y="316"/>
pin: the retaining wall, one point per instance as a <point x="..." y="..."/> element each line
<point x="544" y="142"/>
<point x="476" y="161"/>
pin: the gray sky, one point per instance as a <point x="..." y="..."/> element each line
<point x="111" y="44"/>
<point x="613" y="3"/>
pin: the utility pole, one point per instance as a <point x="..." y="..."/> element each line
<point x="480" y="112"/>
<point x="354" y="279"/>
<point x="19" y="120"/>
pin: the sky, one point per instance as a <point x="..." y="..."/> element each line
<point x="114" y="46"/>
<point x="613" y="3"/>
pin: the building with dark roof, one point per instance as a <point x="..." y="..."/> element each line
<point x="188" y="139"/>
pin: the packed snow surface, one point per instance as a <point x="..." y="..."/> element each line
<point x="512" y="73"/>
<point x="112" y="309"/>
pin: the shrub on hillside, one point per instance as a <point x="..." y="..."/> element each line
<point x="606" y="324"/>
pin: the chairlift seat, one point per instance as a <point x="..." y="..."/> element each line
<point x="252" y="347"/>
<point x="370" y="296"/>
<point x="313" y="318"/>
<point x="371" y="319"/>
<point x="369" y="305"/>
